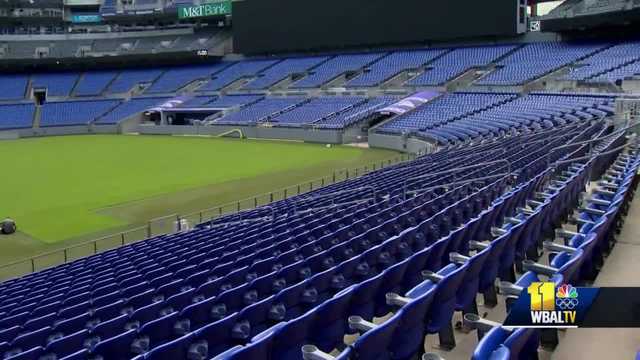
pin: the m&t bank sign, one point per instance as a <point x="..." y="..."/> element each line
<point x="205" y="10"/>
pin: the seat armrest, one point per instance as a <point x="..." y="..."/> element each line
<point x="430" y="275"/>
<point x="396" y="300"/>
<point x="525" y="211"/>
<point x="311" y="352"/>
<point x="537" y="268"/>
<point x="473" y="321"/>
<point x="507" y="288"/>
<point x="458" y="258"/>
<point x="513" y="220"/>
<point x="551" y="246"/>
<point x="604" y="192"/>
<point x="602" y="202"/>
<point x="566" y="234"/>
<point x="359" y="324"/>
<point x="593" y="211"/>
<point x="477" y="245"/>
<point x="496" y="231"/>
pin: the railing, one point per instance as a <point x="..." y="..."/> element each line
<point x="175" y="223"/>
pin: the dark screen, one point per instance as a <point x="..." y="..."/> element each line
<point x="267" y="26"/>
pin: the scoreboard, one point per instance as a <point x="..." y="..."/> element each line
<point x="268" y="26"/>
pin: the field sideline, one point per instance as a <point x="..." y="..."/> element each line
<point x="62" y="190"/>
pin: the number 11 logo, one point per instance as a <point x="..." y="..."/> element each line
<point x="543" y="296"/>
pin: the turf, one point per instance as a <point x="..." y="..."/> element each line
<point x="70" y="187"/>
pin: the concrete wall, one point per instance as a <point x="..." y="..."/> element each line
<point x="354" y="134"/>
<point x="308" y="135"/>
<point x="94" y="36"/>
<point x="59" y="130"/>
<point x="400" y="143"/>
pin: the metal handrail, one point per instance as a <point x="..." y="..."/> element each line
<point x="591" y="141"/>
<point x="334" y="206"/>
<point x="590" y="157"/>
<point x="462" y="182"/>
<point x="334" y="194"/>
<point x="501" y="161"/>
<point x="397" y="159"/>
<point x="66" y="249"/>
<point x="122" y="235"/>
<point x="241" y="213"/>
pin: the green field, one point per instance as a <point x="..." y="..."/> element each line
<point x="63" y="190"/>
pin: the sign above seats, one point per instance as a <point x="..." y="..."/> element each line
<point x="205" y="10"/>
<point x="409" y="103"/>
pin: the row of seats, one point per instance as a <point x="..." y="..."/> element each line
<point x="465" y="117"/>
<point x="74" y="112"/>
<point x="334" y="112"/>
<point x="17" y="116"/>
<point x="575" y="257"/>
<point x="426" y="307"/>
<point x="131" y="297"/>
<point x="457" y="62"/>
<point x="538" y="59"/>
<point x="444" y="109"/>
<point x="522" y="115"/>
<point x="516" y="65"/>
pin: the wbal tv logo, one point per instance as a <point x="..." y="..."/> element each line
<point x="551" y="306"/>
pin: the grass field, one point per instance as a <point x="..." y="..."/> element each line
<point x="62" y="190"/>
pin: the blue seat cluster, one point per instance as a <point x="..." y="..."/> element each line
<point x="283" y="70"/>
<point x="333" y="68"/>
<point x="444" y="109"/>
<point x="426" y="307"/>
<point x="261" y="111"/>
<point x="56" y="84"/>
<point x="317" y="110"/>
<point x="177" y="77"/>
<point x="602" y="66"/>
<point x="332" y="112"/>
<point x="523" y="115"/>
<point x="576" y="256"/>
<point x="126" y="109"/>
<point x="514" y="65"/>
<point x="462" y="117"/>
<point x="14" y="86"/>
<point x="75" y="112"/>
<point x="16" y="116"/>
<point x="624" y="72"/>
<point x="262" y="283"/>
<point x="457" y="62"/>
<point x="127" y="79"/>
<point x="231" y="101"/>
<point x="236" y="71"/>
<point x="355" y="114"/>
<point x="538" y="59"/>
<point x="393" y="64"/>
<point x="94" y="83"/>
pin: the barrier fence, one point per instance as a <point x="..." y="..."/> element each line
<point x="176" y="222"/>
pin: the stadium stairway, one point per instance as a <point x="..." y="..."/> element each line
<point x="620" y="343"/>
<point x="394" y="336"/>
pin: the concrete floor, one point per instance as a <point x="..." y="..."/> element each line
<point x="621" y="269"/>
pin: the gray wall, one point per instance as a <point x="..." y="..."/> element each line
<point x="308" y="135"/>
<point x="354" y="134"/>
<point x="59" y="130"/>
<point x="400" y="143"/>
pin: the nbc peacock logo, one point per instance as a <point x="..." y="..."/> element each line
<point x="567" y="297"/>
